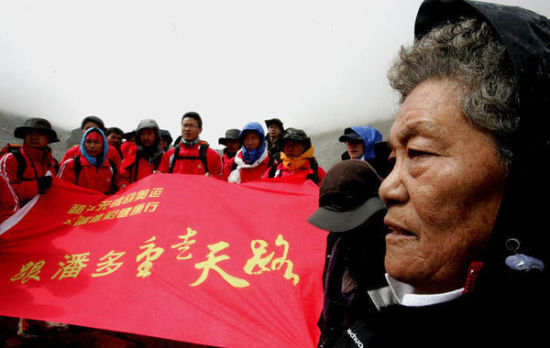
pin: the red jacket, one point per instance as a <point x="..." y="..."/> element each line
<point x="247" y="174"/>
<point x="41" y="161"/>
<point x="112" y="154"/>
<point x="96" y="178"/>
<point x="126" y="148"/>
<point x="132" y="173"/>
<point x="192" y="164"/>
<point x="227" y="164"/>
<point x="9" y="203"/>
<point x="301" y="172"/>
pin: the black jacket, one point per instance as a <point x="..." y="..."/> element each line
<point x="505" y="307"/>
<point x="354" y="265"/>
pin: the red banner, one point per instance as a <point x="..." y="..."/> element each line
<point x="174" y="256"/>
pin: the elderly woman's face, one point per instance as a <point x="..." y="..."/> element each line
<point x="444" y="192"/>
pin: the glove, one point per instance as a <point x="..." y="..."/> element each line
<point x="44" y="183"/>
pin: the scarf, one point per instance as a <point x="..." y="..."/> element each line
<point x="251" y="156"/>
<point x="235" y="176"/>
<point x="190" y="143"/>
<point x="294" y="163"/>
<point x="96" y="133"/>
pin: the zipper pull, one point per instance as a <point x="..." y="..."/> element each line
<point x="473" y="273"/>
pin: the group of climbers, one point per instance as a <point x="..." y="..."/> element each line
<point x="104" y="163"/>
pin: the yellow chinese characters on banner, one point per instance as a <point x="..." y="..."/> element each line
<point x="131" y="204"/>
<point x="29" y="271"/>
<point x="72" y="267"/>
<point x="212" y="264"/>
<point x="258" y="263"/>
<point x="151" y="253"/>
<point x="108" y="264"/>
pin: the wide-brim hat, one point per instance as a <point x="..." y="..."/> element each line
<point x="165" y="134"/>
<point x="230" y="134"/>
<point x="348" y="197"/>
<point x="129" y="135"/>
<point x="39" y="124"/>
<point x="276" y="122"/>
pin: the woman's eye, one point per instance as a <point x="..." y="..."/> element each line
<point x="416" y="153"/>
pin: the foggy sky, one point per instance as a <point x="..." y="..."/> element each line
<point x="315" y="64"/>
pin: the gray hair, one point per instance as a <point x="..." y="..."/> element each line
<point x="469" y="53"/>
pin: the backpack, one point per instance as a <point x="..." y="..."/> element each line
<point x="15" y="150"/>
<point x="202" y="156"/>
<point x="313" y="176"/>
<point x="78" y="169"/>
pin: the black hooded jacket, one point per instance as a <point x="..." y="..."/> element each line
<point x="153" y="154"/>
<point x="504" y="307"/>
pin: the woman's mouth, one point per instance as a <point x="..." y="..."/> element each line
<point x="397" y="231"/>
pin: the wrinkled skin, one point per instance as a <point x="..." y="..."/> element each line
<point x="444" y="192"/>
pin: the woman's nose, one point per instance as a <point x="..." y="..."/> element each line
<point x="393" y="190"/>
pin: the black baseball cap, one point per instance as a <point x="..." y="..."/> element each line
<point x="296" y="135"/>
<point x="351" y="136"/>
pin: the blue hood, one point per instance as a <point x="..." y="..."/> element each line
<point x="370" y="136"/>
<point x="250" y="156"/>
<point x="97" y="160"/>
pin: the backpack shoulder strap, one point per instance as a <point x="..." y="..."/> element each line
<point x="202" y="154"/>
<point x="21" y="163"/>
<point x="175" y="158"/>
<point x="56" y="165"/>
<point x="157" y="160"/>
<point x="315" y="167"/>
<point x="77" y="167"/>
<point x="113" y="167"/>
